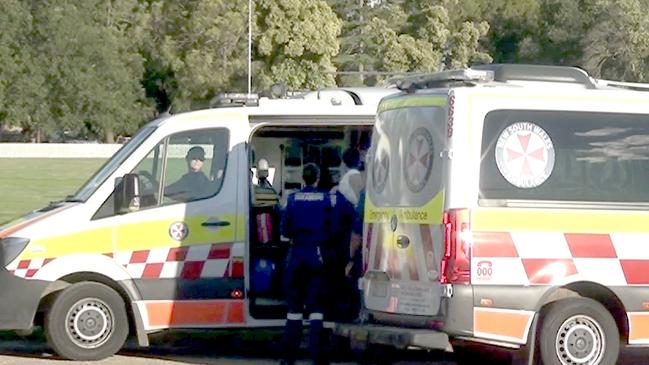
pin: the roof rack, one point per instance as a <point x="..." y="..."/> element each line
<point x="442" y="79"/>
<point x="623" y="85"/>
<point x="234" y="99"/>
<point x="539" y="73"/>
<point x="499" y="73"/>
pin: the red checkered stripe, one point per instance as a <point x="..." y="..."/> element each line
<point x="187" y="262"/>
<point x="543" y="258"/>
<point x="26" y="268"/>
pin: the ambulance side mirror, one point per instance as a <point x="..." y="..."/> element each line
<point x="127" y="194"/>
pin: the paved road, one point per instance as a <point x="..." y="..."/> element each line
<point x="194" y="347"/>
<point x="212" y="348"/>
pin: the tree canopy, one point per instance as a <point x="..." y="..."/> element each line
<point x="96" y="69"/>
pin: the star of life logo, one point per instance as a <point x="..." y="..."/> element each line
<point x="380" y="170"/>
<point x="178" y="231"/>
<point x="525" y="155"/>
<point x="419" y="159"/>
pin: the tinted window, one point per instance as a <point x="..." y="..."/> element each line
<point x="404" y="164"/>
<point x="565" y="156"/>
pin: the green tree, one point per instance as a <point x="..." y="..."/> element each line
<point x="295" y="43"/>
<point x="512" y="26"/>
<point x="23" y="90"/>
<point x="197" y="49"/>
<point x="608" y="38"/>
<point x="617" y="46"/>
<point x="409" y="36"/>
<point x="358" y="58"/>
<point x="93" y="65"/>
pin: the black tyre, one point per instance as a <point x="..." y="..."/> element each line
<point x="87" y="321"/>
<point x="578" y="331"/>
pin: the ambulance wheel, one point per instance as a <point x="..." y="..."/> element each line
<point x="87" y="321"/>
<point x="578" y="331"/>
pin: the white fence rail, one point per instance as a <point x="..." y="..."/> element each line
<point x="57" y="150"/>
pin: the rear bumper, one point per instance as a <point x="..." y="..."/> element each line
<point x="361" y="335"/>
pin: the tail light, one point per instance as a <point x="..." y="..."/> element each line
<point x="456" y="263"/>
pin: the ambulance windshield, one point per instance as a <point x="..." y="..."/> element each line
<point x="111" y="165"/>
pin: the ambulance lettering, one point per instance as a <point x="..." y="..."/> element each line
<point x="451" y="115"/>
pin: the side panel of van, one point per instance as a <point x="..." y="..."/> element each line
<point x="562" y="203"/>
<point x="404" y="207"/>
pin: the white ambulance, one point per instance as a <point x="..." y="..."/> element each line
<point x="125" y="256"/>
<point x="508" y="206"/>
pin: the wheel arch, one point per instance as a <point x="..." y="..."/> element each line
<point x="594" y="291"/>
<point x="124" y="288"/>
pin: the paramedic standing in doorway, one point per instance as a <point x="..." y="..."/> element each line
<point x="305" y="222"/>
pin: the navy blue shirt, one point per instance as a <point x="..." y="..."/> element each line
<point x="306" y="219"/>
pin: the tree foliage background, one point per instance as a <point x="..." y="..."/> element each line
<point x="96" y="69"/>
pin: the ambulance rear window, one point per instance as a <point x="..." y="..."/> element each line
<point x="565" y="156"/>
<point x="404" y="167"/>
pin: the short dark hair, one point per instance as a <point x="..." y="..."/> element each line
<point x="351" y="158"/>
<point x="310" y="173"/>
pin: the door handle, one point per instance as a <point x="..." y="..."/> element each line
<point x="403" y="241"/>
<point x="215" y="224"/>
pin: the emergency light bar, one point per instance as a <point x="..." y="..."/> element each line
<point x="234" y="99"/>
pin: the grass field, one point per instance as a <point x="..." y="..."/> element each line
<point x="30" y="183"/>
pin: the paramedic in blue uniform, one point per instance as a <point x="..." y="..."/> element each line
<point x="306" y="222"/>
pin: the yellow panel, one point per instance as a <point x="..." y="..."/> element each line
<point x="558" y="220"/>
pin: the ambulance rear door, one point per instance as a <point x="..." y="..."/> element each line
<point x="403" y="232"/>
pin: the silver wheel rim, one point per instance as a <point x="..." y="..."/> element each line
<point x="580" y="340"/>
<point x="89" y="323"/>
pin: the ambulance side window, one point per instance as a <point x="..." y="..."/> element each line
<point x="195" y="165"/>
<point x="167" y="175"/>
<point x="565" y="156"/>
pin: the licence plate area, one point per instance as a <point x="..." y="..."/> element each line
<point x="397" y="296"/>
<point x="414" y="298"/>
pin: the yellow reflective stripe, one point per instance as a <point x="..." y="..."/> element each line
<point x="430" y="213"/>
<point x="154" y="234"/>
<point x="556" y="220"/>
<point x="131" y="237"/>
<point x="91" y="241"/>
<point x="412" y="101"/>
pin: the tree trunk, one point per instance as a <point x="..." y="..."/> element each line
<point x="109" y="136"/>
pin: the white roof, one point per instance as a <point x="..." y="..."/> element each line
<point x="311" y="104"/>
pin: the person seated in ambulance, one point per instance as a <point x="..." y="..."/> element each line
<point x="194" y="184"/>
<point x="266" y="205"/>
<point x="265" y="194"/>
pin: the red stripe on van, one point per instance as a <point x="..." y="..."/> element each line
<point x="590" y="245"/>
<point x="429" y="249"/>
<point x="393" y="260"/>
<point x="635" y="271"/>
<point x="493" y="244"/>
<point x="378" y="254"/>
<point x="368" y="245"/>
<point x="547" y="271"/>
